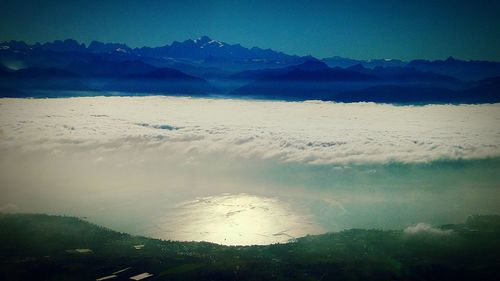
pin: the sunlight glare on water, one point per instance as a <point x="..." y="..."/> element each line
<point x="239" y="219"/>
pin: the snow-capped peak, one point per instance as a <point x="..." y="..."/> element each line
<point x="205" y="40"/>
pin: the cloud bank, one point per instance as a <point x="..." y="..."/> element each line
<point x="305" y="132"/>
<point x="128" y="162"/>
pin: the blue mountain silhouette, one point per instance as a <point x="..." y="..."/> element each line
<point x="204" y="66"/>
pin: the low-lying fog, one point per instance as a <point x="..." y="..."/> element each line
<point x="247" y="172"/>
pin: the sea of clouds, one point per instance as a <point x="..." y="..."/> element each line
<point x="311" y="132"/>
<point x="129" y="163"/>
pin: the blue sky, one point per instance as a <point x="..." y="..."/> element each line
<point x="352" y="28"/>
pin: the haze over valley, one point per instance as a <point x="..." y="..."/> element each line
<point x="148" y="165"/>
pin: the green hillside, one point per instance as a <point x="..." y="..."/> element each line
<point x="42" y="247"/>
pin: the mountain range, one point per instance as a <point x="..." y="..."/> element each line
<point x="205" y="66"/>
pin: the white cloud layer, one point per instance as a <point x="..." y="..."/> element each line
<point x="425" y="228"/>
<point x="305" y="132"/>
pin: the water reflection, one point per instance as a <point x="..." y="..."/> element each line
<point x="239" y="219"/>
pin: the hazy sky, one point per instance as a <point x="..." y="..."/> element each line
<point x="352" y="28"/>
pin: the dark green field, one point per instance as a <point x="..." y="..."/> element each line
<point x="41" y="247"/>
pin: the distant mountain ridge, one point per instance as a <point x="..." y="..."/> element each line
<point x="203" y="48"/>
<point x="207" y="52"/>
<point x="465" y="70"/>
<point x="205" y="66"/>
